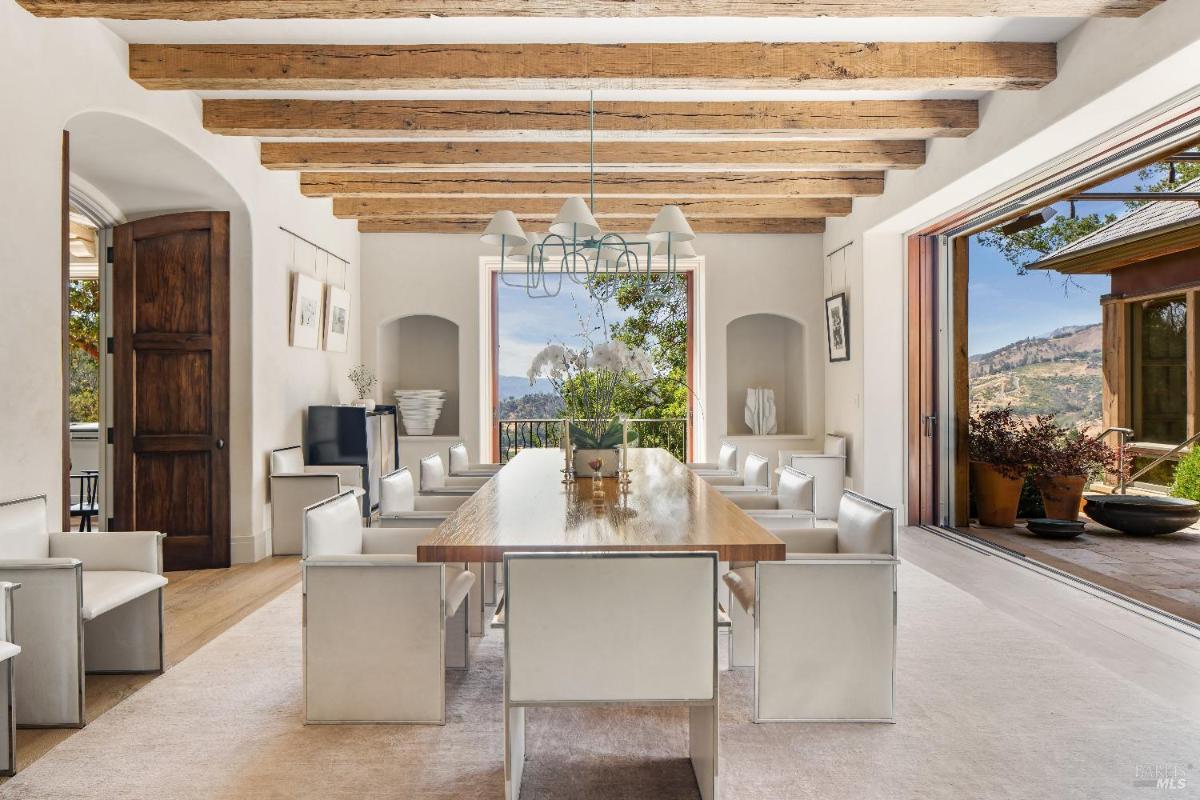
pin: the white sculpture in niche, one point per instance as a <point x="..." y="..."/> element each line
<point x="760" y="412"/>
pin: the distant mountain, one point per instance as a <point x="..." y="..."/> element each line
<point x="1054" y="374"/>
<point x="518" y="386"/>
<point x="531" y="406"/>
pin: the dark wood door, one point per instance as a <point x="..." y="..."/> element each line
<point x="170" y="314"/>
<point x="922" y="380"/>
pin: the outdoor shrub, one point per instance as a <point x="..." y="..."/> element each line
<point x="1054" y="449"/>
<point x="999" y="438"/>
<point x="1187" y="476"/>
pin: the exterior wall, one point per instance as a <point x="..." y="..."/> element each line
<point x="1107" y="75"/>
<point x="439" y="274"/>
<point x="1162" y="274"/>
<point x="56" y="70"/>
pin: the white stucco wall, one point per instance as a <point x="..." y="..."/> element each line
<point x="1110" y="71"/>
<point x="405" y="274"/>
<point x="54" y="70"/>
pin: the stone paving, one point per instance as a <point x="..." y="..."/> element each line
<point x="1163" y="571"/>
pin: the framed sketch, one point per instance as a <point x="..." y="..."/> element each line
<point x="837" y="327"/>
<point x="337" y="319"/>
<point x="306" y="311"/>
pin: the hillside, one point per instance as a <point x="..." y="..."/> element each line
<point x="1054" y="374"/>
<point x="519" y="386"/>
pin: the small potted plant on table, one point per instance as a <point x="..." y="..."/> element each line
<point x="1000" y="458"/>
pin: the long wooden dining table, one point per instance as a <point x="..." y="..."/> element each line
<point x="666" y="506"/>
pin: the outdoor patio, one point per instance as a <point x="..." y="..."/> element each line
<point x="1162" y="571"/>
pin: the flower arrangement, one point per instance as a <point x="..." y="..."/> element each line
<point x="363" y="380"/>
<point x="589" y="380"/>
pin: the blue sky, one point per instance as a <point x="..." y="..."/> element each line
<point x="526" y="324"/>
<point x="1005" y="307"/>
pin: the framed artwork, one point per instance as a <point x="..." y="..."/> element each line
<point x="837" y="327"/>
<point x="306" y="311"/>
<point x="337" y="319"/>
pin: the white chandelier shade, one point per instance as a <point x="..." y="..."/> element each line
<point x="679" y="249"/>
<point x="671" y="224"/>
<point x="504" y="229"/>
<point x="575" y="220"/>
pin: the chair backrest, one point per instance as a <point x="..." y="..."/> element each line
<point x="610" y="627"/>
<point x="460" y="459"/>
<point x="287" y="460"/>
<point x="835" y="445"/>
<point x="433" y="472"/>
<point x="23" y="528"/>
<point x="795" y="490"/>
<point x="333" y="526"/>
<point x="865" y="526"/>
<point x="728" y="457"/>
<point x="756" y="471"/>
<point x="829" y="478"/>
<point x="396" y="492"/>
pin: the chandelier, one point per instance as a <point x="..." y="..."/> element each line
<point x="576" y="248"/>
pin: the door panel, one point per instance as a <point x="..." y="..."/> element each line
<point x="922" y="380"/>
<point x="171" y="384"/>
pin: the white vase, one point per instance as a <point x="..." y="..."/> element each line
<point x="366" y="403"/>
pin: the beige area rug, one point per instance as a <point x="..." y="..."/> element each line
<point x="987" y="708"/>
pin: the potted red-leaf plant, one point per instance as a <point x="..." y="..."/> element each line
<point x="999" y="449"/>
<point x="1063" y="461"/>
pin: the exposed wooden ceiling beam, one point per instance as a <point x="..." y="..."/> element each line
<point x="648" y="208"/>
<point x="476" y="119"/>
<point x="610" y="156"/>
<point x="613" y="184"/>
<point x="475" y="226"/>
<point x="692" y="65"/>
<point x="353" y="9"/>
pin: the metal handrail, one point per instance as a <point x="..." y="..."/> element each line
<point x="1123" y="435"/>
<point x="1193" y="438"/>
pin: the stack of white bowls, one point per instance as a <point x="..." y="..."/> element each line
<point x="420" y="409"/>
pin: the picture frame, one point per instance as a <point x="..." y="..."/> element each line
<point x="337" y="319"/>
<point x="837" y="327"/>
<point x="307" y="301"/>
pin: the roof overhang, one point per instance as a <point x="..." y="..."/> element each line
<point x="1112" y="255"/>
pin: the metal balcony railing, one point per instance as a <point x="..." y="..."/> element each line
<point x="671" y="434"/>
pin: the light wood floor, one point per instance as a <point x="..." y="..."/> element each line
<point x="198" y="605"/>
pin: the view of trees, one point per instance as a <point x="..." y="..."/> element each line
<point x="83" y="333"/>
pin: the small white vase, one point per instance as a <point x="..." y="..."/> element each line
<point x="366" y="403"/>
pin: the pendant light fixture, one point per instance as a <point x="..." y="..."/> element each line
<point x="583" y="252"/>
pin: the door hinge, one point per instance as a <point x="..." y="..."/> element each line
<point x="929" y="424"/>
<point x="108" y="435"/>
<point x="108" y="254"/>
<point x="108" y="345"/>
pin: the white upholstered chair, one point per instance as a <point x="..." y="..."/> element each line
<point x="611" y="628"/>
<point x="825" y="623"/>
<point x="89" y="602"/>
<point x="726" y="463"/>
<point x="754" y="477"/>
<point x="8" y="650"/>
<point x="401" y="507"/>
<point x="788" y="513"/>
<point x="461" y="466"/>
<point x="828" y="469"/>
<point x="295" y="486"/>
<point x="379" y="627"/>
<point x="434" y="479"/>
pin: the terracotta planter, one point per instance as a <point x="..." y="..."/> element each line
<point x="1061" y="495"/>
<point x="996" y="495"/>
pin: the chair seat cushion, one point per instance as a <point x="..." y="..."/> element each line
<point x="741" y="584"/>
<point x="8" y="650"/>
<point x="104" y="590"/>
<point x="458" y="582"/>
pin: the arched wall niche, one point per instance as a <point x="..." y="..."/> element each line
<point x="420" y="351"/>
<point x="765" y="351"/>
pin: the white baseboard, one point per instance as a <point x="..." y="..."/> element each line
<point x="248" y="549"/>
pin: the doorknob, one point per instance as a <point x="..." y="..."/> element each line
<point x="220" y="444"/>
